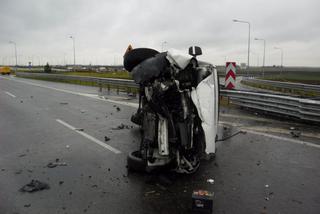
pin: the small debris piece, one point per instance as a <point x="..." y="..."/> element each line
<point x="61" y="182"/>
<point x="18" y="172"/>
<point x="55" y="164"/>
<point x="30" y="170"/>
<point x="118" y="109"/>
<point x="296" y="201"/>
<point x="295" y="133"/>
<point x="22" y="155"/>
<point x="106" y="138"/>
<point x="89" y="176"/>
<point x="292" y="128"/>
<point x="266" y="198"/>
<point x="64" y="103"/>
<point x="34" y="186"/>
<point x="57" y="159"/>
<point x="21" y="101"/>
<point x="79" y="129"/>
<point x="67" y="146"/>
<point x="94" y="186"/>
<point x="27" y="205"/>
<point x="150" y="192"/>
<point x="108" y="169"/>
<point x="83" y="111"/>
<point x="70" y="193"/>
<point x="258" y="163"/>
<point x="266" y="186"/>
<point x="210" y="180"/>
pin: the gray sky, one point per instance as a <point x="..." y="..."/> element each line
<point x="104" y="28"/>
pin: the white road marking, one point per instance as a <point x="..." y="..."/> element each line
<point x="272" y="136"/>
<point x="106" y="146"/>
<point x="12" y="95"/>
<point x="93" y="96"/>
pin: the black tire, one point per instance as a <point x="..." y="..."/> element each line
<point x="135" y="162"/>
<point x="136" y="56"/>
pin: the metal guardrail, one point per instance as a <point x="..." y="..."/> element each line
<point x="305" y="109"/>
<point x="286" y="85"/>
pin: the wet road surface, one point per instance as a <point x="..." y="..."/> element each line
<point x="265" y="170"/>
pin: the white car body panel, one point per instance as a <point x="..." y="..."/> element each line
<point x="205" y="98"/>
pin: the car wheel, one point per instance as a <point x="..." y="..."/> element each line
<point x="135" y="162"/>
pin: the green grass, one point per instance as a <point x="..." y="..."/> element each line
<point x="118" y="74"/>
<point x="306" y="78"/>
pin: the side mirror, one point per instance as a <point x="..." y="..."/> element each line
<point x="195" y="51"/>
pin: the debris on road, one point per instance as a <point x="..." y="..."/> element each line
<point x="118" y="109"/>
<point x="258" y="163"/>
<point x="266" y="186"/>
<point x="67" y="146"/>
<point x="34" y="186"/>
<point x="106" y="138"/>
<point x="21" y="101"/>
<point x="64" y="103"/>
<point x="122" y="126"/>
<point x="61" y="182"/>
<point x="27" y="205"/>
<point x="82" y="111"/>
<point x="266" y="198"/>
<point x="79" y="129"/>
<point x="202" y="201"/>
<point x="22" y="155"/>
<point x="210" y="181"/>
<point x="55" y="164"/>
<point x="295" y="133"/>
<point x="18" y="172"/>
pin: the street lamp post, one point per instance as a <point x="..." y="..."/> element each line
<point x="281" y="54"/>
<point x="241" y="21"/>
<point x="162" y="45"/>
<point x="264" y="54"/>
<point x="281" y="58"/>
<point x="74" y="51"/>
<point x="15" y="52"/>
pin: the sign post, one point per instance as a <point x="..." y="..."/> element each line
<point x="230" y="80"/>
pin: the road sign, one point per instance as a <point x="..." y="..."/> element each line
<point x="230" y="81"/>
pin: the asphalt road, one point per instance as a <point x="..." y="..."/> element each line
<point x="262" y="171"/>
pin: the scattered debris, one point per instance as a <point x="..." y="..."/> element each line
<point x="61" y="182"/>
<point x="34" y="186"/>
<point x="296" y="201"/>
<point x="258" y="163"/>
<point x="64" y="103"/>
<point x="118" y="109"/>
<point x="266" y="198"/>
<point x="79" y="129"/>
<point x="122" y="126"/>
<point x="106" y="138"/>
<point x="210" y="181"/>
<point x="22" y="155"/>
<point x="295" y="133"/>
<point x="202" y="201"/>
<point x="18" y="172"/>
<point x="27" y="205"/>
<point x="55" y="164"/>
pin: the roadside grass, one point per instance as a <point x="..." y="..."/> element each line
<point x="297" y="77"/>
<point x="116" y="74"/>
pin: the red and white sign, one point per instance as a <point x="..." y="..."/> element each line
<point x="230" y="81"/>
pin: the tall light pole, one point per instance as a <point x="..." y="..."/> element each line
<point x="281" y="54"/>
<point x="15" y="52"/>
<point x="74" y="51"/>
<point x="246" y="22"/>
<point x="162" y="45"/>
<point x="264" y="54"/>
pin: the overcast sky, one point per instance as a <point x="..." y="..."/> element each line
<point x="104" y="28"/>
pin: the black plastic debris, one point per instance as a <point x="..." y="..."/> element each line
<point x="118" y="109"/>
<point x="55" y="164"/>
<point x="27" y="205"/>
<point x="122" y="126"/>
<point x="61" y="182"/>
<point x="34" y="186"/>
<point x="106" y="138"/>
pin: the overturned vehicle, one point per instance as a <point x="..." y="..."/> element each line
<point x="178" y="109"/>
